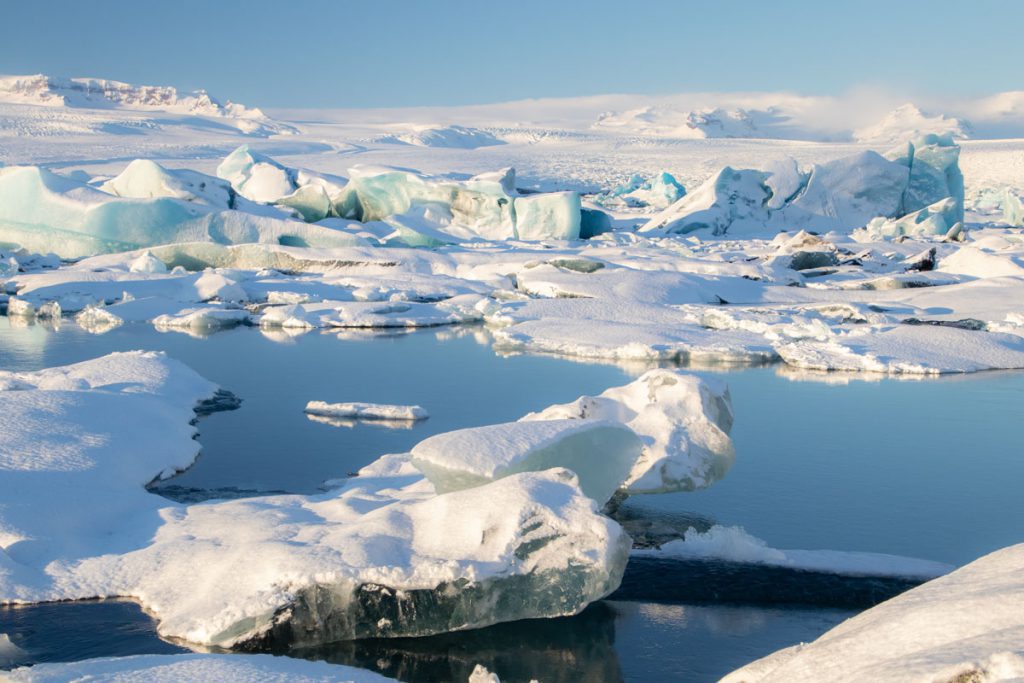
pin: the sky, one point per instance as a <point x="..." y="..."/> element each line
<point x="386" y="53"/>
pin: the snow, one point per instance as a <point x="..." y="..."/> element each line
<point x="733" y="544"/>
<point x="967" y="625"/>
<point x="601" y="453"/>
<point x="366" y="411"/>
<point x="199" y="668"/>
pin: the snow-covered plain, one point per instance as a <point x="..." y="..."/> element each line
<point x="703" y="229"/>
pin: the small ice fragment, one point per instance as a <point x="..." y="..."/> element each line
<point x="366" y="411"/>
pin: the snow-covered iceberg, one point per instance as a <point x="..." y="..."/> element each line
<point x="44" y="212"/>
<point x="601" y="453"/>
<point x="682" y="420"/>
<point x="840" y="195"/>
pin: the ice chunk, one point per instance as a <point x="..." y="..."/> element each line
<point x="147" y="263"/>
<point x="936" y="219"/>
<point x="553" y="215"/>
<point x="968" y="625"/>
<point x="683" y="421"/>
<point x="594" y="222"/>
<point x="601" y="453"/>
<point x="934" y="174"/>
<point x="846" y="193"/>
<point x="733" y="544"/>
<point x="146" y="179"/>
<point x="658" y="192"/>
<point x="202" y="320"/>
<point x="255" y="176"/>
<point x="311" y="201"/>
<point x="358" y="563"/>
<point x="785" y="180"/>
<point x="366" y="411"/>
<point x="10" y="654"/>
<point x="197" y="668"/>
<point x="730" y="197"/>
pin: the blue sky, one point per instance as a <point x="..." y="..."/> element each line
<point x="318" y="53"/>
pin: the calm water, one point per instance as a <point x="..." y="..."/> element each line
<point x="927" y="468"/>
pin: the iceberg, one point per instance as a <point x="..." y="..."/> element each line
<point x="255" y="176"/>
<point x="846" y="193"/>
<point x="941" y="218"/>
<point x="601" y="453"/>
<point x="728" y="198"/>
<point x="658" y="192"/>
<point x="934" y="174"/>
<point x="44" y="212"/>
<point x="682" y="420"/>
<point x="839" y="195"/>
<point x="551" y="215"/>
<point x="146" y="179"/>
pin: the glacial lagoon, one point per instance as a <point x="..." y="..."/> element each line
<point x="925" y="468"/>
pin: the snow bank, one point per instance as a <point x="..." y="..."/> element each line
<point x="968" y="625"/>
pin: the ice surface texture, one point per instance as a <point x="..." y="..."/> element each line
<point x="966" y="626"/>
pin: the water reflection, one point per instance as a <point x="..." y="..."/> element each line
<point x="580" y="648"/>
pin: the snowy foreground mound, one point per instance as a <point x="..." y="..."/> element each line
<point x="197" y="668"/>
<point x="966" y="626"/>
<point x="390" y="553"/>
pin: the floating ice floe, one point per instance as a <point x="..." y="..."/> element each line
<point x="197" y="668"/>
<point x="366" y="411"/>
<point x="966" y="626"/>
<point x="733" y="544"/>
<point x="374" y="314"/>
<point x="908" y="349"/>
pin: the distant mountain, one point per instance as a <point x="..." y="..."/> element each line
<point x="96" y="93"/>
<point x="908" y="121"/>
